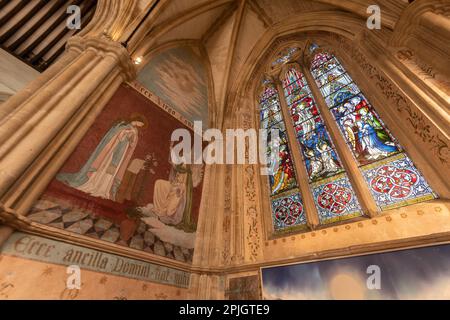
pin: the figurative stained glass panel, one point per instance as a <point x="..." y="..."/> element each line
<point x="281" y="165"/>
<point x="365" y="133"/>
<point x="320" y="157"/>
<point x="288" y="212"/>
<point x="393" y="182"/>
<point x="335" y="200"/>
<point x="335" y="83"/>
<point x="396" y="182"/>
<point x="287" y="206"/>
<point x="319" y="65"/>
<point x="330" y="70"/>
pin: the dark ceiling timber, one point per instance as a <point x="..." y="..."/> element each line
<point x="36" y="30"/>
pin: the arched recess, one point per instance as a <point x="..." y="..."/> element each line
<point x="428" y="149"/>
<point x="4" y="96"/>
<point x="292" y="30"/>
<point x="196" y="51"/>
<point x="254" y="224"/>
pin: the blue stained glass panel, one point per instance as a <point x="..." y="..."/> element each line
<point x="288" y="212"/>
<point x="321" y="160"/>
<point x="341" y="94"/>
<point x="336" y="200"/>
<point x="396" y="182"/>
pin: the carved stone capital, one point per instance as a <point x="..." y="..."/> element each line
<point x="104" y="46"/>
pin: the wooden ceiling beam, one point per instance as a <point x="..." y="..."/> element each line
<point x="13" y="12"/>
<point x="19" y="24"/>
<point x="52" y="10"/>
<point x="24" y="53"/>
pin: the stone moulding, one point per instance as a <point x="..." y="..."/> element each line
<point x="104" y="46"/>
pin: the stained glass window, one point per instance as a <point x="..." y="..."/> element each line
<point x="391" y="176"/>
<point x="287" y="205"/>
<point x="332" y="191"/>
<point x="285" y="56"/>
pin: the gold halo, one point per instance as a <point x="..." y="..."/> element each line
<point x="141" y="118"/>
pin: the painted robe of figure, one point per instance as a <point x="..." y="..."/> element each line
<point x="103" y="172"/>
<point x="172" y="199"/>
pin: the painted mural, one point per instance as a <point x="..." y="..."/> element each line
<point x="422" y="273"/>
<point x="179" y="77"/>
<point x="120" y="186"/>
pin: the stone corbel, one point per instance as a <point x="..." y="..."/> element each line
<point x="425" y="28"/>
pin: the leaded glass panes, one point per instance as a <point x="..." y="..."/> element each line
<point x="334" y="196"/>
<point x="335" y="199"/>
<point x="285" y="56"/>
<point x="391" y="176"/>
<point x="396" y="182"/>
<point x="288" y="212"/>
<point x="283" y="178"/>
<point x="287" y="205"/>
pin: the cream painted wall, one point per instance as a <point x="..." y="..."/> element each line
<point x="14" y="75"/>
<point x="27" y="279"/>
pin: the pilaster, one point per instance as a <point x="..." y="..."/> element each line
<point x="40" y="129"/>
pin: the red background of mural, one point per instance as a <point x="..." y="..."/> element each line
<point x="153" y="139"/>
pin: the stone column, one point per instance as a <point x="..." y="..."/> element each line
<point x="5" y="233"/>
<point x="40" y="129"/>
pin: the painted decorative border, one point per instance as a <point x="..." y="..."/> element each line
<point x="157" y="100"/>
<point x="32" y="247"/>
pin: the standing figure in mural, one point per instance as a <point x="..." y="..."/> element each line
<point x="103" y="172"/>
<point x="172" y="199"/>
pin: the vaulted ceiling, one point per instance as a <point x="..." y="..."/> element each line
<point x="230" y="31"/>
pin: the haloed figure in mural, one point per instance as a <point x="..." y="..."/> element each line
<point x="103" y="172"/>
<point x="172" y="198"/>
